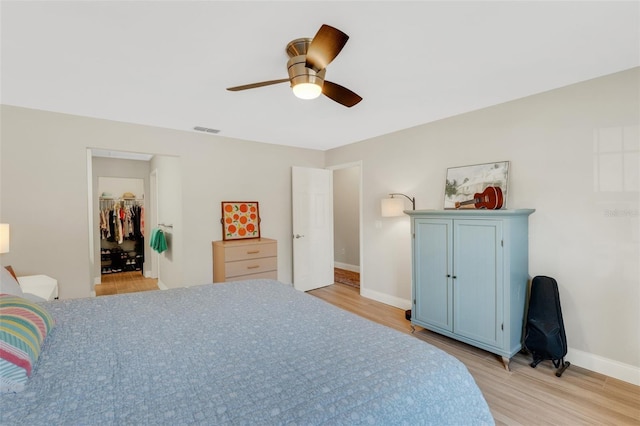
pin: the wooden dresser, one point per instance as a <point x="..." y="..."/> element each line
<point x="245" y="259"/>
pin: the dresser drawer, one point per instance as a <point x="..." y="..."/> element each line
<point x="250" y="251"/>
<point x="245" y="259"/>
<point x="271" y="275"/>
<point x="252" y="266"/>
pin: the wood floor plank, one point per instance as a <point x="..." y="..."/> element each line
<point x="125" y="282"/>
<point x="523" y="395"/>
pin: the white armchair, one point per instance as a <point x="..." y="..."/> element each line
<point x="40" y="285"/>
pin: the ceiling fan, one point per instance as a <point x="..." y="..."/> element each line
<point x="307" y="65"/>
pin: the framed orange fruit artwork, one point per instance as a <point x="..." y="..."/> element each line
<point x="240" y="220"/>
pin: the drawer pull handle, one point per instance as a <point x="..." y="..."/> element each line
<point x="253" y="252"/>
<point x="253" y="267"/>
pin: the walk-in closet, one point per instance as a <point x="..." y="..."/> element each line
<point x="122" y="258"/>
<point x="131" y="195"/>
<point x="121" y="224"/>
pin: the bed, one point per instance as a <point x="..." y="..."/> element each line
<point x="248" y="352"/>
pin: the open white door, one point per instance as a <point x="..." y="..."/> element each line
<point x="312" y="201"/>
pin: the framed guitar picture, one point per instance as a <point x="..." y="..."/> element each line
<point x="240" y="220"/>
<point x="480" y="186"/>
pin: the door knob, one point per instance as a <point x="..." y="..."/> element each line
<point x="298" y="236"/>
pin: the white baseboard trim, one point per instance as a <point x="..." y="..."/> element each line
<point x="162" y="286"/>
<point x="609" y="367"/>
<point x="346" y="266"/>
<point x="97" y="280"/>
<point x="385" y="298"/>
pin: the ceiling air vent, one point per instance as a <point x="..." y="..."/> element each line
<point x="206" y="129"/>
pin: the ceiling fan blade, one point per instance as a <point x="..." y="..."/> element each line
<point x="254" y="85"/>
<point x="340" y="94"/>
<point x="324" y="47"/>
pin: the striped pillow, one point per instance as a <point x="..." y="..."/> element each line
<point x="23" y="327"/>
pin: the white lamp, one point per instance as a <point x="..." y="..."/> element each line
<point x="393" y="207"/>
<point x="4" y="238"/>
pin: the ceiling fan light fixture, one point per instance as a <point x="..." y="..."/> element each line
<point x="307" y="90"/>
<point x="307" y="66"/>
<point x="305" y="82"/>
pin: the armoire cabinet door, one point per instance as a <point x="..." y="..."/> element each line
<point x="478" y="282"/>
<point x="432" y="270"/>
<point x="470" y="275"/>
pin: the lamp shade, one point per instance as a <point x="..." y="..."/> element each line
<point x="392" y="207"/>
<point x="4" y="238"/>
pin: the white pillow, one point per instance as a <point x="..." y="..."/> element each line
<point x="8" y="284"/>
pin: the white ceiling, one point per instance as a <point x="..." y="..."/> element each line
<point x="167" y="63"/>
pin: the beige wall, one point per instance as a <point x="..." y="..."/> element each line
<point x="585" y="231"/>
<point x="168" y="198"/>
<point x="44" y="191"/>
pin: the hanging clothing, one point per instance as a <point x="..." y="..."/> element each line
<point x="157" y="241"/>
<point x="121" y="221"/>
<point x="118" y="220"/>
<point x="122" y="243"/>
<point x="141" y="216"/>
<point x="105" y="232"/>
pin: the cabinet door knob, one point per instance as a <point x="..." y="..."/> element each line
<point x="448" y="275"/>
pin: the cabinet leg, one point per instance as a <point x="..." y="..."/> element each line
<point x="506" y="361"/>
<point x="413" y="329"/>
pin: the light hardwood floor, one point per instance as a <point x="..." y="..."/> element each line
<point x="125" y="282"/>
<point x="524" y="395"/>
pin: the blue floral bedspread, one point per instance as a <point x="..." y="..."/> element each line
<point x="239" y="353"/>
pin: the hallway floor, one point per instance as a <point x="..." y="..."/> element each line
<point x="349" y="278"/>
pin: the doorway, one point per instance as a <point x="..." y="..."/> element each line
<point x="347" y="219"/>
<point x="119" y="164"/>
<point x="120" y="219"/>
<point x="120" y="188"/>
<point x="321" y="209"/>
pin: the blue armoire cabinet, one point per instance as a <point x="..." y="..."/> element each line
<point x="470" y="276"/>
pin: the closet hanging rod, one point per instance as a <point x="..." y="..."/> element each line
<point x="166" y="226"/>
<point x="138" y="201"/>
